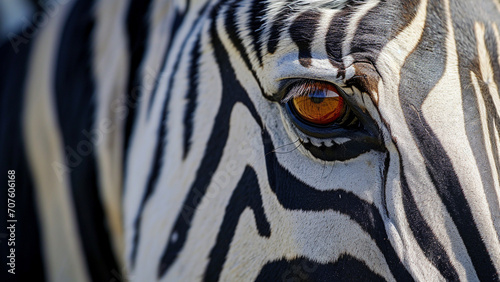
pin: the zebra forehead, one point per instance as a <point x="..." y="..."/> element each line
<point x="329" y="4"/>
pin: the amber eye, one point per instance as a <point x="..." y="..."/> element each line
<point x="317" y="102"/>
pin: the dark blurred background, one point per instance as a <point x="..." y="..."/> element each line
<point x="13" y="13"/>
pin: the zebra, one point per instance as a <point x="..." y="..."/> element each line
<point x="263" y="140"/>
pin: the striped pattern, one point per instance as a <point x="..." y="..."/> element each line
<point x="156" y="143"/>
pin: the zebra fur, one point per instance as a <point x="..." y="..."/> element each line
<point x="197" y="170"/>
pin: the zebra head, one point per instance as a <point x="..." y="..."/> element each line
<point x="272" y="140"/>
<point x="319" y="139"/>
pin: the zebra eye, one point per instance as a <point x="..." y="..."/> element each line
<point x="318" y="103"/>
<point x="319" y="109"/>
<point x="332" y="125"/>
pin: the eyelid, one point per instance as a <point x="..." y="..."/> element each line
<point x="287" y="93"/>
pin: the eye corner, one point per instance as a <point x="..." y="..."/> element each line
<point x="366" y="77"/>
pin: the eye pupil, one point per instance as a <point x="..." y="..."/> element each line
<point x="318" y="103"/>
<point x="318" y="97"/>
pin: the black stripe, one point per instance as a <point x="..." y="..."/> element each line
<point x="446" y="182"/>
<point x="424" y="236"/>
<point x="246" y="194"/>
<point x="29" y="263"/>
<point x="491" y="121"/>
<point x="337" y="32"/>
<point x="160" y="145"/>
<point x="232" y="31"/>
<point x="367" y="42"/>
<point x="385" y="172"/>
<point x="191" y="95"/>
<point x="178" y="20"/>
<point x="336" y="36"/>
<point x="256" y="25"/>
<point x="137" y="35"/>
<point x="492" y="46"/>
<point x="302" y="32"/>
<point x="277" y="26"/>
<point x="346" y="268"/>
<point x="232" y="92"/>
<point x="75" y="103"/>
<point x="396" y="15"/>
<point x="359" y="144"/>
<point x="422" y="70"/>
<point x="306" y="198"/>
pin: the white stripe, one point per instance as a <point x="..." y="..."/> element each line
<point x="61" y="242"/>
<point x="318" y="45"/>
<point x="111" y="72"/>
